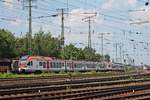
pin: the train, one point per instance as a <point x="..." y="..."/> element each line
<point x="40" y="63"/>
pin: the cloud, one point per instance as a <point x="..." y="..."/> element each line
<point x="140" y="16"/>
<point x="77" y="15"/>
<point x="132" y="2"/>
<point x="118" y="4"/>
<point x="77" y="20"/>
<point x="108" y="4"/>
<point x="17" y="22"/>
<point x="8" y="3"/>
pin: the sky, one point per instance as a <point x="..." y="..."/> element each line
<point x="125" y="24"/>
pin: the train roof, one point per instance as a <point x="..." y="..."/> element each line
<point x="38" y="58"/>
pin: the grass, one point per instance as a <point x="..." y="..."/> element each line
<point x="60" y="74"/>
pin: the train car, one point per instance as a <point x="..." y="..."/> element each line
<point x="34" y="63"/>
<point x="39" y="64"/>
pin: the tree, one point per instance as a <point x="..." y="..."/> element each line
<point x="46" y="45"/>
<point x="98" y="57"/>
<point x="107" y="58"/>
<point x="89" y="53"/>
<point x="72" y="52"/>
<point x="21" y="48"/>
<point x="7" y="44"/>
<point x="43" y="44"/>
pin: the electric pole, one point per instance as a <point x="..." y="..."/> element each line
<point x="29" y="34"/>
<point x="62" y="37"/>
<point x="116" y="51"/>
<point x="30" y="27"/>
<point x="120" y="51"/>
<point x="89" y="19"/>
<point x="102" y="44"/>
<point x="62" y="26"/>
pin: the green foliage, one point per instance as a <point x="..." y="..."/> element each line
<point x="46" y="45"/>
<point x="89" y="54"/>
<point x="7" y="44"/>
<point x="62" y="72"/>
<point x="107" y="58"/>
<point x="71" y="52"/>
<point x="93" y="72"/>
<point x="129" y="68"/>
<point x="77" y="73"/>
<point x="43" y="44"/>
<point x="57" y="75"/>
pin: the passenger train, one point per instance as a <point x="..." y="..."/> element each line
<point x="40" y="64"/>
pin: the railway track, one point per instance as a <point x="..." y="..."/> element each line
<point x="121" y="75"/>
<point x="136" y="95"/>
<point x="46" y="81"/>
<point x="72" y="86"/>
<point x="75" y="89"/>
<point x="80" y="94"/>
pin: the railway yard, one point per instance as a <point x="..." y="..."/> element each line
<point x="131" y="86"/>
<point x="74" y="50"/>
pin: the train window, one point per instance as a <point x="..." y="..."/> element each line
<point x="44" y="65"/>
<point x="68" y="64"/>
<point x="40" y="63"/>
<point x="53" y="64"/>
<point x="72" y="65"/>
<point x="62" y="64"/>
<point x="75" y="65"/>
<point x="58" y="65"/>
<point x="79" y="65"/>
<point x="30" y="63"/>
<point x="47" y="64"/>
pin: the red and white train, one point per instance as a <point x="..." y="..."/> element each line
<point x="39" y="64"/>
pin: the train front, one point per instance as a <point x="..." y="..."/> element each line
<point x="23" y="63"/>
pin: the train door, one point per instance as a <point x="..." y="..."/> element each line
<point x="30" y="66"/>
<point x="67" y="66"/>
<point x="72" y="66"/>
<point x="48" y="64"/>
<point x="54" y="66"/>
<point x="40" y="65"/>
<point x="62" y="65"/>
<point x="44" y="65"/>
